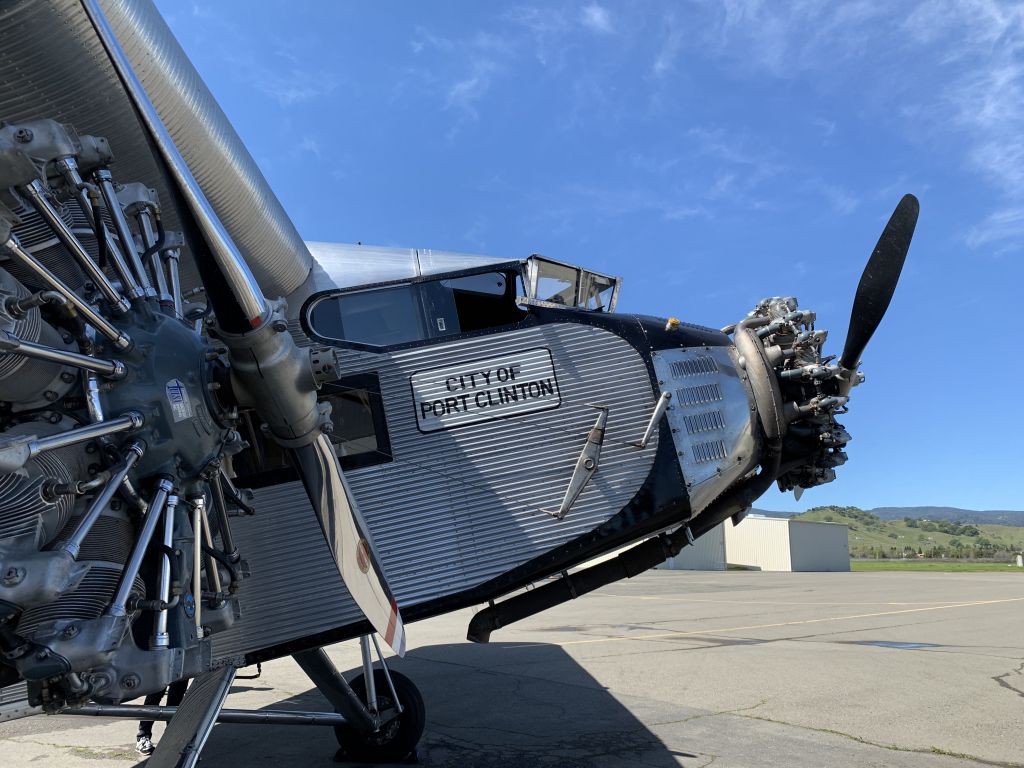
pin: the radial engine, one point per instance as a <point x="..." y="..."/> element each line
<point x="116" y="559"/>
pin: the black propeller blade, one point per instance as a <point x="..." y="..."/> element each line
<point x="878" y="282"/>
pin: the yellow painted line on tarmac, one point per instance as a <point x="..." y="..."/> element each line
<point x="721" y="630"/>
<point x="775" y="602"/>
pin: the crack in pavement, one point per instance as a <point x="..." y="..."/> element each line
<point x="106" y="753"/>
<point x="1001" y="679"/>
<point x="889" y="747"/>
<point x="701" y="715"/>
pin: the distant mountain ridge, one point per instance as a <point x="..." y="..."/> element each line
<point x="977" y="517"/>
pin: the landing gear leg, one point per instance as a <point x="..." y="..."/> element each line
<point x="384" y="710"/>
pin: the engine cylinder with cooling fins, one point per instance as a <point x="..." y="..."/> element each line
<point x="37" y="238"/>
<point x="86" y="602"/>
<point x="26" y="508"/>
<point x="24" y="382"/>
<point x="106" y="549"/>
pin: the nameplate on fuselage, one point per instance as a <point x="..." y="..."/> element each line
<point x="475" y="391"/>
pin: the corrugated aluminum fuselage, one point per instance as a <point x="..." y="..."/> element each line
<point x="458" y="511"/>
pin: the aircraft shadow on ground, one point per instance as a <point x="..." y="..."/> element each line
<point x="506" y="704"/>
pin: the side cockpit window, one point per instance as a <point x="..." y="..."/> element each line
<point x="429" y="309"/>
<point x="379" y="317"/>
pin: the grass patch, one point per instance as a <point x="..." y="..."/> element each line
<point x="949" y="566"/>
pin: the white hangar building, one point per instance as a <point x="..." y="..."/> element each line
<point x="706" y="554"/>
<point x="781" y="544"/>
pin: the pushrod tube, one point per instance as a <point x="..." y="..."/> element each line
<point x="131" y="420"/>
<point x="36" y="194"/>
<point x="161" y="638"/>
<point x="106" y="184"/>
<point x="74" y="544"/>
<point x="131" y="568"/>
<point x="172" y="256"/>
<point x="197" y="561"/>
<point x="13" y="247"/>
<point x="149" y="238"/>
<point x="12" y="345"/>
<point x="212" y="571"/>
<point x="69" y="169"/>
<point x="220" y="507"/>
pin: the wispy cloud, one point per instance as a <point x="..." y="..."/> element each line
<point x="289" y="88"/>
<point x="671" y="205"/>
<point x="1003" y="229"/>
<point x="671" y="45"/>
<point x="545" y="28"/>
<point x="951" y="70"/>
<point x="596" y="18"/>
<point x="464" y="94"/>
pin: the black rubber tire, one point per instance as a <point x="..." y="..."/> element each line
<point x="396" y="740"/>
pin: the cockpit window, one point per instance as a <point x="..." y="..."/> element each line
<point x="598" y="292"/>
<point x="431" y="309"/>
<point x="380" y="317"/>
<point x="557" y="283"/>
<point x="552" y="282"/>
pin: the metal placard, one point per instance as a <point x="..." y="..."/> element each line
<point x="475" y="391"/>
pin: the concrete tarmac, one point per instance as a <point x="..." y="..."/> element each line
<point x="672" y="668"/>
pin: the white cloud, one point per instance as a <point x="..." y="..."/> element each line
<point x="826" y="126"/>
<point x="671" y="45"/>
<point x="293" y="87"/>
<point x="949" y="73"/>
<point x="597" y="19"/>
<point x="1004" y="227"/>
<point x="310" y="145"/>
<point x="842" y="200"/>
<point x="464" y="94"/>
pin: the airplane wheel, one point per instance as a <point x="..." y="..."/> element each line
<point x="395" y="741"/>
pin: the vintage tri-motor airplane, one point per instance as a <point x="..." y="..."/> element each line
<point x="220" y="444"/>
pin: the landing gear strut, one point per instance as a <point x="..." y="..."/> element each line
<point x="383" y="710"/>
<point x="378" y="718"/>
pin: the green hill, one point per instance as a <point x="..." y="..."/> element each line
<point x="871" y="536"/>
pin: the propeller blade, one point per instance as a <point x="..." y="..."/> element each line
<point x="878" y="282"/>
<point x="349" y="538"/>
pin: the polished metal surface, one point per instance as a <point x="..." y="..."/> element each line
<point x="13" y="248"/>
<point x="343" y="265"/>
<point x="455" y="507"/>
<point x="229" y="178"/>
<point x="236" y="716"/>
<point x="52" y="63"/>
<point x="195" y="717"/>
<point x="711" y="416"/>
<point x="73" y="544"/>
<point x="36" y="194"/>
<point x="161" y="638"/>
<point x="12" y="345"/>
<point x="236" y="272"/>
<point x="69" y="169"/>
<point x="131" y="420"/>
<point x="131" y="568"/>
<point x="155" y="265"/>
<point x="105" y="182"/>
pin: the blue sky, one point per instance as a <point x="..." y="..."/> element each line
<point x="710" y="153"/>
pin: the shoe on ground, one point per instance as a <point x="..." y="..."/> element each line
<point x="144" y="745"/>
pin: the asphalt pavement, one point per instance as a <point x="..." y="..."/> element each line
<point x="672" y="668"/>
